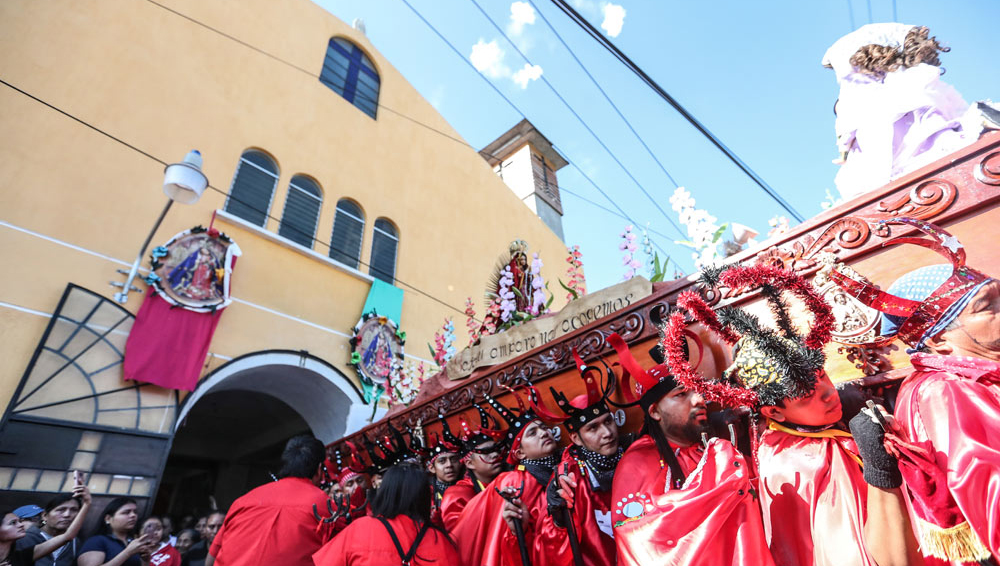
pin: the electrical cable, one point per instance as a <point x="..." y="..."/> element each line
<point x="216" y="189"/>
<point x="582" y="122"/>
<point x="869" y="3"/>
<point x="632" y="66"/>
<point x="605" y="95"/>
<point x="397" y="113"/>
<point x="519" y="111"/>
<point x="850" y="15"/>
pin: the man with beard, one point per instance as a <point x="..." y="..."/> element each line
<point x="818" y="510"/>
<point x="674" y="500"/>
<point x="949" y="407"/>
<point x="483" y="460"/>
<point x="486" y="534"/>
<point x="579" y="494"/>
<point x="670" y="441"/>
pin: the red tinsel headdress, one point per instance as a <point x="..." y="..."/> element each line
<point x="770" y="365"/>
<point x="918" y="316"/>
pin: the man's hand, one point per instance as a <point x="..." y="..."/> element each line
<point x="513" y="512"/>
<point x="880" y="468"/>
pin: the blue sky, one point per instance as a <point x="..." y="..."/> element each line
<point x="749" y="71"/>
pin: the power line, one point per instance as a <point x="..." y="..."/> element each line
<point x="869" y="3"/>
<point x="606" y="209"/>
<point x="582" y="122"/>
<point x="518" y="110"/>
<point x="396" y="112"/>
<point x="895" y="17"/>
<point x="850" y="15"/>
<point x="605" y="94"/>
<point x="216" y="189"/>
<point x="632" y="66"/>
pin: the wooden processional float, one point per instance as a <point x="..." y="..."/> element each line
<point x="960" y="193"/>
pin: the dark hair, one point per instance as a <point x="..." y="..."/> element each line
<point x="109" y="511"/>
<point x="195" y="535"/>
<point x="919" y="47"/>
<point x="302" y="456"/>
<point x="59" y="500"/>
<point x="405" y="490"/>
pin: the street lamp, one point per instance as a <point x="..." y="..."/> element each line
<point x="182" y="182"/>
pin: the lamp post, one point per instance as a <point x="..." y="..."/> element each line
<point x="182" y="182"/>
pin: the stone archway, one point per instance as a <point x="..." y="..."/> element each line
<point x="230" y="431"/>
<point x="327" y="400"/>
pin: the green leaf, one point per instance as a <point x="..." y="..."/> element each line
<point x="552" y="297"/>
<point x="571" y="291"/>
<point x="517" y="292"/>
<point x="431" y="348"/>
<point x="718" y="233"/>
<point x="687" y="243"/>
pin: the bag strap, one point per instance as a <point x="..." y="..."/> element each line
<point x="406" y="557"/>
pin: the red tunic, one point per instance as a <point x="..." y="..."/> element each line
<point x="813" y="496"/>
<point x="366" y="542"/>
<point x="272" y="524"/>
<point x="954" y="402"/>
<point x="455" y="499"/>
<point x="712" y="520"/>
<point x="645" y="472"/>
<point x="483" y="537"/>
<point x="166" y="555"/>
<point x="591" y="520"/>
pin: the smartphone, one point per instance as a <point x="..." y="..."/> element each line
<point x="77" y="477"/>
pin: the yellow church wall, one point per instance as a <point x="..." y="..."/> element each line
<point x="164" y="84"/>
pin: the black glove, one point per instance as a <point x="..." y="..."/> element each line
<point x="881" y="468"/>
<point x="557" y="505"/>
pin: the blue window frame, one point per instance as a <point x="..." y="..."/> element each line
<point x="351" y="74"/>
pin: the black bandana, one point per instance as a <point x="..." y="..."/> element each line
<point x="540" y="468"/>
<point x="603" y="467"/>
<point x="440" y="486"/>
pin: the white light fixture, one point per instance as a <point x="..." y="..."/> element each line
<point x="743" y="234"/>
<point x="182" y="182"/>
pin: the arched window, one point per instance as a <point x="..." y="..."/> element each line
<point x="351" y="74"/>
<point x="348" y="228"/>
<point x="385" y="240"/>
<point x="253" y="187"/>
<point x="298" y="221"/>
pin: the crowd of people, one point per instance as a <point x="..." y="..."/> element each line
<point x="50" y="535"/>
<point x="790" y="475"/>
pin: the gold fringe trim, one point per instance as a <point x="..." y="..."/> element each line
<point x="954" y="543"/>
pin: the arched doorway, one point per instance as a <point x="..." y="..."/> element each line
<point x="230" y="431"/>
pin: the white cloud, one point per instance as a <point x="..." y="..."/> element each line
<point x="487" y="58"/>
<point x="614" y="19"/>
<point x="521" y="14"/>
<point x="527" y="74"/>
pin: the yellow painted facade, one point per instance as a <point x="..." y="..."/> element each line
<point x="75" y="204"/>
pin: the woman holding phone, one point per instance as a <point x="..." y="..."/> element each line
<point x="12" y="529"/>
<point x="113" y="545"/>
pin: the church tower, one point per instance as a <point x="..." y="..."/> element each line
<point x="527" y="163"/>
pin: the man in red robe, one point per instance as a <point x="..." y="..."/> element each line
<point x="486" y="532"/>
<point x="444" y="464"/>
<point x="579" y="495"/>
<point x="950" y="405"/>
<point x="274" y="523"/>
<point x="818" y="510"/>
<point x="483" y="461"/>
<point x="673" y="501"/>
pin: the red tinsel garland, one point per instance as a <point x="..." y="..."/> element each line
<point x="749" y="276"/>
<point x="673" y="346"/>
